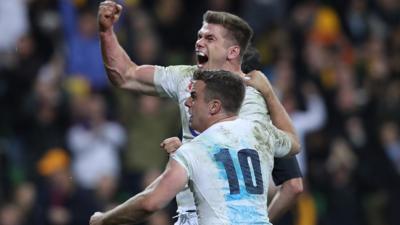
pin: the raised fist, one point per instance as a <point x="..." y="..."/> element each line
<point x="171" y="144"/>
<point x="109" y="13"/>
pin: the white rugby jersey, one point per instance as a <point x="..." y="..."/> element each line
<point x="174" y="82"/>
<point x="229" y="167"/>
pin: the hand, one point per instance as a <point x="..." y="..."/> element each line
<point x="259" y="81"/>
<point x="171" y="144"/>
<point x="109" y="13"/>
<point x="96" y="218"/>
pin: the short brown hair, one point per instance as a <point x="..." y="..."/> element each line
<point x="239" y="29"/>
<point x="226" y="86"/>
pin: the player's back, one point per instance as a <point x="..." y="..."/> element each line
<point x="229" y="167"/>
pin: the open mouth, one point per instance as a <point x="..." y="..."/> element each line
<point x="202" y="58"/>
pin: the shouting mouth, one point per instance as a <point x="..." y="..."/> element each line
<point x="202" y="58"/>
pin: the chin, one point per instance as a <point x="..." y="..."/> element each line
<point x="201" y="66"/>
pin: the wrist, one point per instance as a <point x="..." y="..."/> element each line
<point x="106" y="32"/>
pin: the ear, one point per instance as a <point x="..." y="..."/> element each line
<point x="214" y="106"/>
<point x="233" y="52"/>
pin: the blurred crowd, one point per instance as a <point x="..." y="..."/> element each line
<point x="71" y="144"/>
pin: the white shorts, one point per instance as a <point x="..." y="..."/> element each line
<point x="187" y="218"/>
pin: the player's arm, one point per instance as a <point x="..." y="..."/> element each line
<point x="152" y="199"/>
<point x="121" y="70"/>
<point x="284" y="197"/>
<point x="289" y="185"/>
<point x="278" y="114"/>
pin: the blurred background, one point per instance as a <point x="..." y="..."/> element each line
<point x="71" y="144"/>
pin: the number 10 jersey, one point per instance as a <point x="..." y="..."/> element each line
<point x="229" y="167"/>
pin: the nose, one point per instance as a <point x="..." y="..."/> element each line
<point x="199" y="42"/>
<point x="188" y="102"/>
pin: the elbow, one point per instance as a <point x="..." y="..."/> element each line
<point x="115" y="79"/>
<point x="295" y="144"/>
<point x="117" y="76"/>
<point x="296" y="147"/>
<point x="293" y="187"/>
<point x="150" y="206"/>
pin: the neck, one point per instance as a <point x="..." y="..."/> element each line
<point x="233" y="67"/>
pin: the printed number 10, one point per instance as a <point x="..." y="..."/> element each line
<point x="243" y="155"/>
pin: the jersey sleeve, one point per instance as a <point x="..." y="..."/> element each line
<point x="170" y="80"/>
<point x="183" y="159"/>
<point x="281" y="141"/>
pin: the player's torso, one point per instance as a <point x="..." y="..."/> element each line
<point x="231" y="174"/>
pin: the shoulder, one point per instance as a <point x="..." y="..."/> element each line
<point x="195" y="143"/>
<point x="186" y="153"/>
<point x="236" y="124"/>
<point x="219" y="132"/>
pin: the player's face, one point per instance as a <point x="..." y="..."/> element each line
<point x="212" y="46"/>
<point x="198" y="107"/>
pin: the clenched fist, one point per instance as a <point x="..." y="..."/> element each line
<point x="109" y="13"/>
<point x="171" y="144"/>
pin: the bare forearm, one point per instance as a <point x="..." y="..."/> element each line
<point x="116" y="62"/>
<point x="278" y="206"/>
<point x="130" y="212"/>
<point x="278" y="114"/>
<point x="280" y="117"/>
<point x="284" y="198"/>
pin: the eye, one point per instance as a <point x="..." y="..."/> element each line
<point x="193" y="95"/>
<point x="210" y="38"/>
